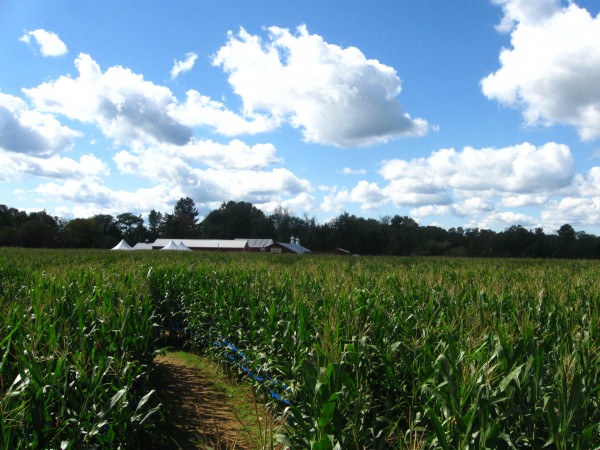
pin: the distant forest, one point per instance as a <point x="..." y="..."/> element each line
<point x="390" y="235"/>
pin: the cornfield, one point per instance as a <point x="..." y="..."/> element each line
<point x="400" y="353"/>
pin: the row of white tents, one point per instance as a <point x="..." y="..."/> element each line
<point x="172" y="245"/>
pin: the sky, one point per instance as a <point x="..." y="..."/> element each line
<point x="457" y="113"/>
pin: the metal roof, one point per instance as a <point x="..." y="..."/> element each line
<point x="142" y="246"/>
<point x="294" y="247"/>
<point x="204" y="243"/>
<point x="257" y="243"/>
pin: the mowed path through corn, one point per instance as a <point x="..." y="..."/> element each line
<point x="199" y="413"/>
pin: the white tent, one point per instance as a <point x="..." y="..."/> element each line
<point x="122" y="246"/>
<point x="171" y="246"/>
<point x="183" y="247"/>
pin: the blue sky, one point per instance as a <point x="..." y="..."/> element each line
<point x="473" y="113"/>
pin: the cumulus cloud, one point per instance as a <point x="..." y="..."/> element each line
<point x="200" y="110"/>
<point x="436" y="210"/>
<point x="183" y="66"/>
<point x="133" y="111"/>
<point x="506" y="219"/>
<point x="212" y="172"/>
<point x="552" y="70"/>
<point x="15" y="165"/>
<point x="89" y="195"/>
<point x="525" y="11"/>
<point x="580" y="204"/>
<point x="523" y="168"/>
<point x="335" y="95"/>
<point x="27" y="131"/>
<point x="246" y="185"/>
<point x="369" y="195"/>
<point x="471" y="182"/>
<point x="49" y="42"/>
<point x="572" y="210"/>
<point x="122" y="104"/>
<point x="234" y="155"/>
<point x="335" y="200"/>
<point x="301" y="202"/>
<point x="523" y="200"/>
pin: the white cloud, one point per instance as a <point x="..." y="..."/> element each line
<point x="49" y="42"/>
<point x="89" y="190"/>
<point x="301" y="202"/>
<point x="504" y="219"/>
<point x="476" y="205"/>
<point x="335" y="201"/>
<point x="245" y="185"/>
<point x="349" y="171"/>
<point x="89" y="196"/>
<point x="369" y="195"/>
<point x="526" y="11"/>
<point x="27" y="131"/>
<point x="213" y="173"/>
<point x="523" y="168"/>
<point x="183" y="66"/>
<point x="16" y="165"/>
<point x="552" y="70"/>
<point x="134" y="111"/>
<point x="471" y="182"/>
<point x="523" y="200"/>
<point x="572" y="210"/>
<point x="126" y="107"/>
<point x="435" y="210"/>
<point x="200" y="110"/>
<point x="335" y="95"/>
<point x="234" y="155"/>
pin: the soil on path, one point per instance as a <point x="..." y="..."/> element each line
<point x="199" y="415"/>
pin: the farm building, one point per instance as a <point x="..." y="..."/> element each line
<point x="226" y="245"/>
<point x="293" y="247"/>
<point x="142" y="246"/>
<point x="214" y="245"/>
<point x="257" y="245"/>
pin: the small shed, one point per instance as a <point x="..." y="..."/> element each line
<point x="284" y="247"/>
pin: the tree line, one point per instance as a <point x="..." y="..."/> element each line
<point x="389" y="235"/>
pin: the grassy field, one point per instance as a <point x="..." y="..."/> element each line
<point x="351" y="352"/>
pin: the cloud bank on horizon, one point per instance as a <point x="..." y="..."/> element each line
<point x="159" y="143"/>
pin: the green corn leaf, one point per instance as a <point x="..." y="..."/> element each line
<point x="437" y="426"/>
<point x="512" y="376"/>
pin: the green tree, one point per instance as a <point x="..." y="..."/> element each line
<point x="403" y="236"/>
<point x="236" y="220"/>
<point x="155" y="223"/>
<point x="285" y="225"/>
<point x="82" y="233"/>
<point x="12" y="217"/>
<point x="566" y="237"/>
<point x="183" y="223"/>
<point x="39" y="230"/>
<point x="110" y="231"/>
<point x="131" y="227"/>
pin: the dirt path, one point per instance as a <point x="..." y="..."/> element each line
<point x="199" y="413"/>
